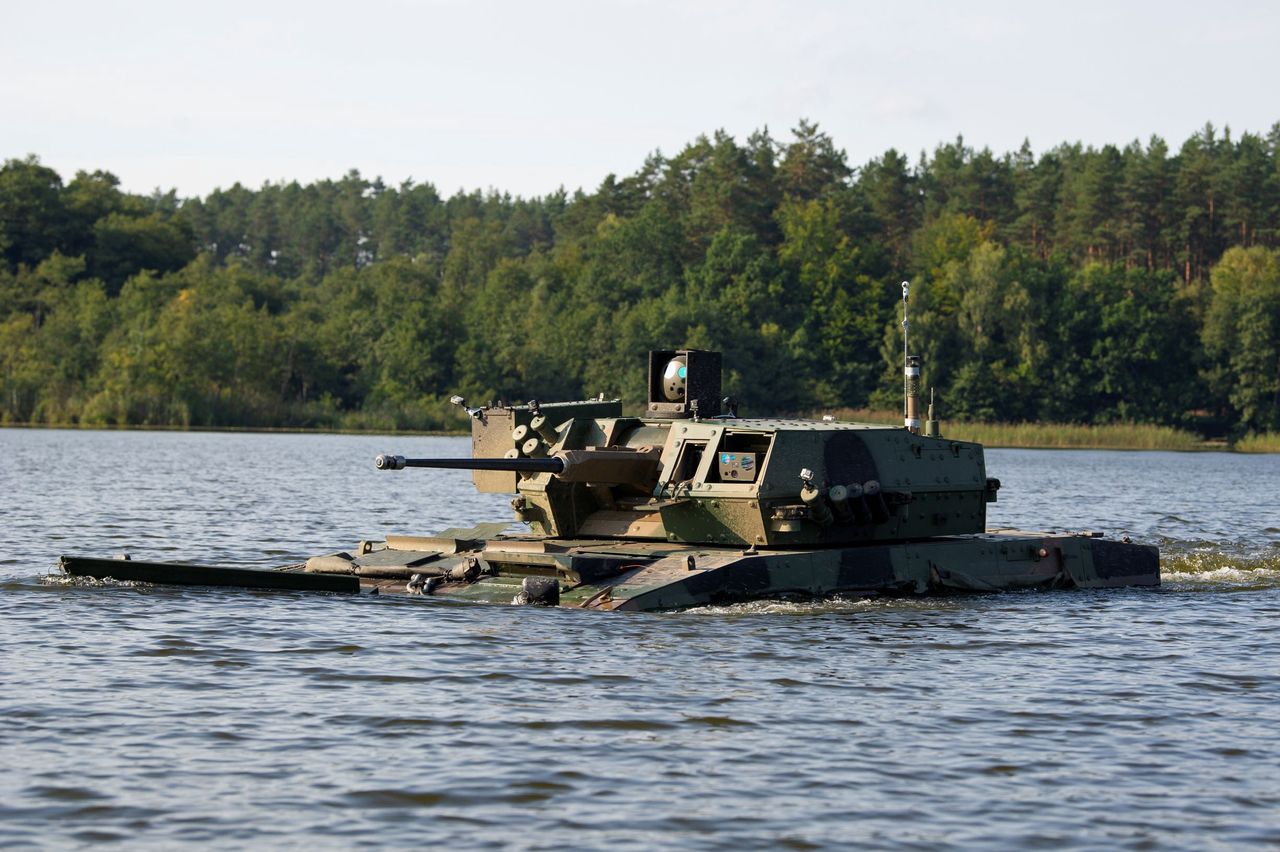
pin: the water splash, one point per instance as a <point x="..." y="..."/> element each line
<point x="1215" y="568"/>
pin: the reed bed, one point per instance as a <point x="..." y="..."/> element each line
<point x="1110" y="436"/>
<point x="1254" y="442"/>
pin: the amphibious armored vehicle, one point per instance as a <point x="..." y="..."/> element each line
<point x="691" y="505"/>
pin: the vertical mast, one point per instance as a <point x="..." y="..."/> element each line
<point x="910" y="372"/>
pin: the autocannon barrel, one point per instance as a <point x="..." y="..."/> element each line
<point x="386" y="461"/>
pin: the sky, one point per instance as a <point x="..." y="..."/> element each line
<point x="526" y="97"/>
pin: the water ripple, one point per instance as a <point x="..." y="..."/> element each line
<point x="155" y="717"/>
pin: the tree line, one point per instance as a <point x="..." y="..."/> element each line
<point x="1136" y="283"/>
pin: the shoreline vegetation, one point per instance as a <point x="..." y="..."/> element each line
<point x="1267" y="442"/>
<point x="1028" y="436"/>
<point x="1123" y="284"/>
<point x="1075" y="436"/>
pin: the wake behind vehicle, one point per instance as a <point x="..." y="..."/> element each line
<point x="690" y="505"/>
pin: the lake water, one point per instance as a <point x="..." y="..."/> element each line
<point x="159" y="716"/>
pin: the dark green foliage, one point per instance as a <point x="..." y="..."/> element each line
<point x="1129" y="283"/>
<point x="34" y="220"/>
<point x="1242" y="336"/>
<point x="124" y="244"/>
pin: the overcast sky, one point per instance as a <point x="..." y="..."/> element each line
<point x="529" y="96"/>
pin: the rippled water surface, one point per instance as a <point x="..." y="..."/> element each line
<point x="158" y="716"/>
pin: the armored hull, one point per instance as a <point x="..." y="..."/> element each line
<point x="606" y="574"/>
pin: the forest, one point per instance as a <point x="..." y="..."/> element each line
<point x="1121" y="284"/>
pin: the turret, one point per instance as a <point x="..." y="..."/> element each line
<point x="687" y="473"/>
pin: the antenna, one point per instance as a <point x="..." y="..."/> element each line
<point x="910" y="372"/>
<point x="906" y="323"/>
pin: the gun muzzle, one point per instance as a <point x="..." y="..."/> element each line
<point x="386" y="461"/>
